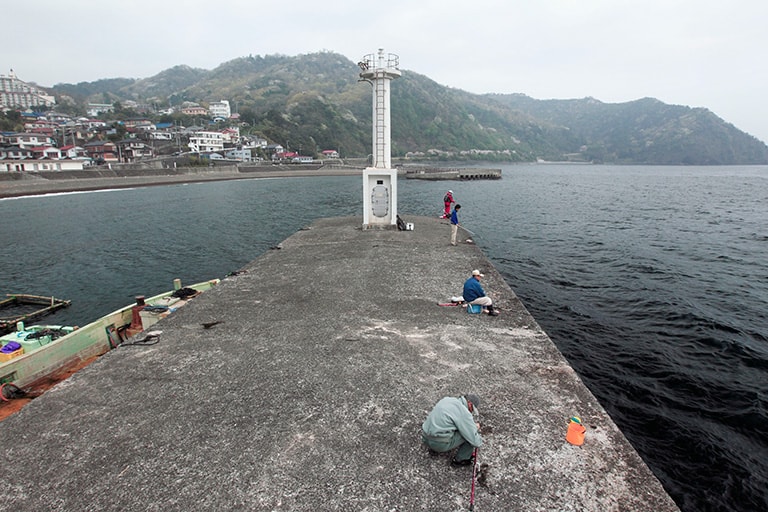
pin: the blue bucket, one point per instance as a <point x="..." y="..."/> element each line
<point x="474" y="308"/>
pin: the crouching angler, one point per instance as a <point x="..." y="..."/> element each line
<point x="451" y="424"/>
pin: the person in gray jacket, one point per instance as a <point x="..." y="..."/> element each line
<point x="451" y="424"/>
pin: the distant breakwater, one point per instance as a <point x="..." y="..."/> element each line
<point x="450" y="173"/>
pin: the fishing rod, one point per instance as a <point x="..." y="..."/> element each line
<point x="474" y="478"/>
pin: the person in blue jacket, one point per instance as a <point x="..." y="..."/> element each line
<point x="474" y="293"/>
<point x="451" y="424"/>
<point x="455" y="223"/>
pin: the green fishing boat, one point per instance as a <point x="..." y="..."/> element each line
<point x="46" y="349"/>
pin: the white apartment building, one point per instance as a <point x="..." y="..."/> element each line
<point x="244" y="155"/>
<point x="95" y="109"/>
<point x="17" y="94"/>
<point x="206" y="142"/>
<point x="220" y="109"/>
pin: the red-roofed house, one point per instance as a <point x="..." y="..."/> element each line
<point x="73" y="151"/>
<point x="231" y="135"/>
<point x="133" y="149"/>
<point x="34" y="126"/>
<point x="284" y="155"/>
<point x="102" y="150"/>
<point x="48" y="132"/>
<point x="46" y="153"/>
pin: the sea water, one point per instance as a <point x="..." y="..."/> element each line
<point x="652" y="281"/>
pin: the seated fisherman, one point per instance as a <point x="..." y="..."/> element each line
<point x="474" y="293"/>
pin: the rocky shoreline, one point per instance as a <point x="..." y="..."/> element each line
<point x="29" y="184"/>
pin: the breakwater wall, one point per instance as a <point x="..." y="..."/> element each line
<point x="447" y="173"/>
<point x="43" y="182"/>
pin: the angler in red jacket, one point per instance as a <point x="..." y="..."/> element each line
<point x="448" y="200"/>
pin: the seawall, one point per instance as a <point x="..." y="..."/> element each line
<point x="451" y="173"/>
<point x="18" y="184"/>
<point x="310" y="393"/>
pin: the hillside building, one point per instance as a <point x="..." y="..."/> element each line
<point x="102" y="151"/>
<point x="220" y="109"/>
<point x="28" y="140"/>
<point x="94" y="109"/>
<point x="206" y="142"/>
<point x="131" y="150"/>
<point x="194" y="111"/>
<point x="15" y="93"/>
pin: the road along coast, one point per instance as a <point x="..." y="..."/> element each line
<point x="309" y="391"/>
<point x="19" y="184"/>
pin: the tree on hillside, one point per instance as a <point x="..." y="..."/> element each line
<point x="119" y="134"/>
<point x="11" y="121"/>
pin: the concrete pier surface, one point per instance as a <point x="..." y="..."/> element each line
<point x="310" y="392"/>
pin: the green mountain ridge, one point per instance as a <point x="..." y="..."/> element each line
<point x="315" y="101"/>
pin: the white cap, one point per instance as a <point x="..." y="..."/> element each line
<point x="477" y="273"/>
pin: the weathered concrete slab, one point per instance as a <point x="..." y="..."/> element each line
<point x="310" y="393"/>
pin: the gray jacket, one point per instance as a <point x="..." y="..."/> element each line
<point x="449" y="416"/>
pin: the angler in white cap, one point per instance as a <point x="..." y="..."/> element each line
<point x="474" y="293"/>
<point x="447" y="201"/>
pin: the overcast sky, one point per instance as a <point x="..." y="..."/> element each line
<point x="699" y="53"/>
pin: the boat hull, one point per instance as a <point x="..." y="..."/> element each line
<point x="85" y="343"/>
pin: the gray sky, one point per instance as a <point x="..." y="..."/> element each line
<point x="699" y="53"/>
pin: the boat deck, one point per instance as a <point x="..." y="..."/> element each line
<point x="300" y="383"/>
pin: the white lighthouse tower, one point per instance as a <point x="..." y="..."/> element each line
<point x="380" y="180"/>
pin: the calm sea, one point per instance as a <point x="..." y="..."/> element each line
<point x="652" y="281"/>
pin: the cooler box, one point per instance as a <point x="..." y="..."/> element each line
<point x="7" y="356"/>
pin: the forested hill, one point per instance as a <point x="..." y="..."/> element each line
<point x="316" y="102"/>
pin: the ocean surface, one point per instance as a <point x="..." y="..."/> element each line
<point x="652" y="281"/>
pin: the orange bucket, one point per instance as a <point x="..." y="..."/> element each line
<point x="576" y="432"/>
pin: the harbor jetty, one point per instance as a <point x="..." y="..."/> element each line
<point x="300" y="383"/>
<point x="451" y="173"/>
<point x="17" y="184"/>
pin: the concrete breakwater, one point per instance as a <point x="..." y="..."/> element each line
<point x="446" y="173"/>
<point x="310" y="392"/>
<point x="32" y="183"/>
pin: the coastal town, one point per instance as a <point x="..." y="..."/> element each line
<point x="53" y="141"/>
